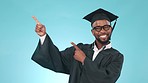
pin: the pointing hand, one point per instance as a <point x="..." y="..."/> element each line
<point x="40" y="29"/>
<point x="79" y="55"/>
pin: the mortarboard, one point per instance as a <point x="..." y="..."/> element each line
<point x="101" y="14"/>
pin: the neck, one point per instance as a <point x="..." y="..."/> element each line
<point x="99" y="44"/>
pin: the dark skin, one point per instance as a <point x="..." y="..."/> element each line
<point x="101" y="36"/>
<point x="79" y="55"/>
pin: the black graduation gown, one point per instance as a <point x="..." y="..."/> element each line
<point x="106" y="67"/>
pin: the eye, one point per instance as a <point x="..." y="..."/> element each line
<point x="106" y="27"/>
<point x="97" y="28"/>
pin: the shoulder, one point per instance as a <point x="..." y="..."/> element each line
<point x="83" y="46"/>
<point x="116" y="53"/>
<point x="113" y="50"/>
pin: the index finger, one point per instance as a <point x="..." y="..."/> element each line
<point x="36" y="20"/>
<point x="75" y="46"/>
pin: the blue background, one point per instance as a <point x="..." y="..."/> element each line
<point x="63" y="19"/>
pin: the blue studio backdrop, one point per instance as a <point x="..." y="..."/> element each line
<point x="64" y="23"/>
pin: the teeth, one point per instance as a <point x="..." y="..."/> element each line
<point x="103" y="36"/>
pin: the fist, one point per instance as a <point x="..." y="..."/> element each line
<point x="40" y="29"/>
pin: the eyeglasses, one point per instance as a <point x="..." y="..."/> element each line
<point x="99" y="28"/>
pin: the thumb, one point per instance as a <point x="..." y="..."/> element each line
<point x="75" y="46"/>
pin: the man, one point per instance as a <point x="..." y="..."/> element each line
<point x="85" y="63"/>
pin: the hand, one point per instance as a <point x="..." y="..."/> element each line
<point x="79" y="55"/>
<point x="40" y="29"/>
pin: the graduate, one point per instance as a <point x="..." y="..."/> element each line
<point x="97" y="62"/>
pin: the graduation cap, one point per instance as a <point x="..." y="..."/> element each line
<point x="101" y="14"/>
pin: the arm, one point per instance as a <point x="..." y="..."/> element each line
<point x="105" y="69"/>
<point x="47" y="54"/>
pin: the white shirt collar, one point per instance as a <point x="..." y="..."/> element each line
<point x="108" y="46"/>
<point x="96" y="50"/>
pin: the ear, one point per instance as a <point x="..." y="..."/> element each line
<point x="92" y="31"/>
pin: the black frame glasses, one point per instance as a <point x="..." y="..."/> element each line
<point x="99" y="28"/>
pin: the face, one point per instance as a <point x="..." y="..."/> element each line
<point x="101" y="30"/>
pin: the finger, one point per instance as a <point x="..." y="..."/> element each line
<point x="36" y="20"/>
<point x="37" y="30"/>
<point x="39" y="26"/>
<point x="75" y="46"/>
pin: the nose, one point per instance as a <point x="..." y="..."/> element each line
<point x="102" y="30"/>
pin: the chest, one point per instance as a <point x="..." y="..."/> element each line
<point x="102" y="58"/>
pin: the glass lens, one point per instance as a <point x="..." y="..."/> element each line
<point x="97" y="28"/>
<point x="106" y="27"/>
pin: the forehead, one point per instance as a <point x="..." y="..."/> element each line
<point x="100" y="23"/>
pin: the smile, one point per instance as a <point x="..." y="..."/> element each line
<point x="103" y="36"/>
